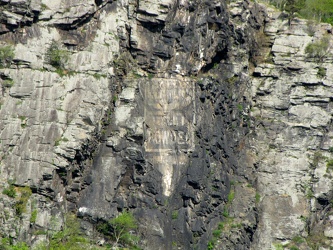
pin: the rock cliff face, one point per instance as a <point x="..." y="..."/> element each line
<point x="292" y="94"/>
<point x="206" y="119"/>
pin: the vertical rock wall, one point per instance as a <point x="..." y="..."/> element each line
<point x="206" y="120"/>
<point x="292" y="108"/>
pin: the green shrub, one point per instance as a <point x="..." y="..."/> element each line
<point x="316" y="159"/>
<point x="56" y="56"/>
<point x="10" y="192"/>
<point x="278" y="246"/>
<point x="122" y="225"/>
<point x="7" y="244"/>
<point x="319" y="10"/>
<point x="6" y="55"/>
<point x="104" y="228"/>
<point x="257" y="197"/>
<point x="21" y="204"/>
<point x="174" y="215"/>
<point x="231" y="196"/>
<point x="321" y="72"/>
<point x="318" y="50"/>
<point x="210" y="245"/>
<point x="8" y="83"/>
<point x="59" y="140"/>
<point x="217" y="233"/>
<point x="225" y="212"/>
<point x="19" y="246"/>
<point x="33" y="216"/>
<point x="298" y="239"/>
<point x="292" y="7"/>
<point x="220" y="226"/>
<point x="70" y="237"/>
<point x="329" y="164"/>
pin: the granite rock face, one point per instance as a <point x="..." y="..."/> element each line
<point x="206" y="119"/>
<point x="291" y="94"/>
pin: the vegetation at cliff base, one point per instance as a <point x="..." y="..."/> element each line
<point x="6" y="244"/>
<point x="119" y="230"/>
<point x="70" y="236"/>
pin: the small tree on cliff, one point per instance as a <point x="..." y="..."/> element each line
<point x="292" y="7"/>
<point x="122" y="225"/>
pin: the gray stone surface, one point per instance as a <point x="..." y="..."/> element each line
<point x="292" y="110"/>
<point x="191" y="115"/>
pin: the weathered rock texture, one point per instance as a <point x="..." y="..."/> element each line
<point x="292" y="96"/>
<point x="204" y="119"/>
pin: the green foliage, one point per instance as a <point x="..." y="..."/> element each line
<point x="240" y="107"/>
<point x="70" y="237"/>
<point x="104" y="228"/>
<point x="6" y="55"/>
<point x="290" y="6"/>
<point x="257" y="197"/>
<point x="21" y="204"/>
<point x="298" y="239"/>
<point x="293" y="6"/>
<point x="329" y="164"/>
<point x="308" y="191"/>
<point x="7" y="244"/>
<point x="278" y="246"/>
<point x="321" y="72"/>
<point x="225" y="212"/>
<point x="122" y="225"/>
<point x="317" y="157"/>
<point x="33" y="216"/>
<point x="115" y="98"/>
<point x="217" y="233"/>
<point x="220" y="226"/>
<point x="8" y="83"/>
<point x="303" y="218"/>
<point x="57" y="57"/>
<point x="231" y="196"/>
<point x="318" y="50"/>
<point x="316" y="240"/>
<point x="232" y="80"/>
<point x="59" y="140"/>
<point x="277" y="3"/>
<point x="22" y="117"/>
<point x="18" y="246"/>
<point x="295" y="243"/>
<point x="10" y="191"/>
<point x="98" y="76"/>
<point x="210" y="245"/>
<point x="174" y="215"/>
<point x="319" y="10"/>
